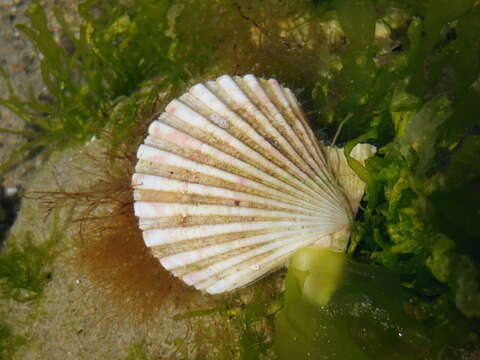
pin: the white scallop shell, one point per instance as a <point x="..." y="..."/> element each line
<point x="231" y="181"/>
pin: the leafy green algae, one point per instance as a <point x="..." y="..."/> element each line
<point x="123" y="54"/>
<point x="357" y="314"/>
<point x="136" y="351"/>
<point x="24" y="269"/>
<point x="9" y="342"/>
<point x="404" y="73"/>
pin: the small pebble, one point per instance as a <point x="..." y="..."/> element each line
<point x="10" y="191"/>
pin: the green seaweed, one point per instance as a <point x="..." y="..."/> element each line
<point x="256" y="318"/>
<point x="9" y="342"/>
<point x="136" y="351"/>
<point x="104" y="72"/>
<point x="365" y="314"/>
<point x="25" y="268"/>
<point x="253" y="321"/>
<point x="107" y="64"/>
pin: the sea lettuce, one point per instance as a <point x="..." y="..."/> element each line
<point x="412" y="190"/>
<point x="357" y="312"/>
<point x="420" y="215"/>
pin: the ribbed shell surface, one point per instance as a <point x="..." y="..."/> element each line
<point x="231" y="180"/>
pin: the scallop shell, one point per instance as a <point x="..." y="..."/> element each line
<point x="231" y="180"/>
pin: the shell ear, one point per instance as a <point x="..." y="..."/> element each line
<point x="230" y="181"/>
<point x="353" y="187"/>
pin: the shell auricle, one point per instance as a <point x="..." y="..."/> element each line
<point x="231" y="180"/>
